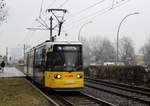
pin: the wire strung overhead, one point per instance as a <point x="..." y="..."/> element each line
<point x="98" y="13"/>
<point x="45" y="26"/>
<point x="63" y="3"/>
<point x="52" y="3"/>
<point x="87" y="8"/>
<point x="41" y="8"/>
<point x="41" y="20"/>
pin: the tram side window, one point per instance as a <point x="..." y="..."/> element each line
<point x="49" y="63"/>
<point x="40" y="59"/>
<point x="36" y="59"/>
<point x="43" y="58"/>
<point x="43" y="53"/>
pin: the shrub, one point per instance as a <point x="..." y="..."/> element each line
<point x="119" y="73"/>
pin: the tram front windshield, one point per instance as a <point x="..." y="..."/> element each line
<point x="65" y="58"/>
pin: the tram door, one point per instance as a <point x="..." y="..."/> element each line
<point x="39" y="65"/>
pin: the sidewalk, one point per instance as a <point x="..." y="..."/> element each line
<point x="11" y="72"/>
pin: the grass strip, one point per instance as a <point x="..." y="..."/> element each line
<point x="17" y="92"/>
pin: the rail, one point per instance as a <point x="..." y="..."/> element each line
<point x="134" y="93"/>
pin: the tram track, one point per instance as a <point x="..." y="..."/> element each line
<point x="67" y="98"/>
<point x="71" y="98"/>
<point x="132" y="93"/>
<point x="82" y="99"/>
<point x="122" y="91"/>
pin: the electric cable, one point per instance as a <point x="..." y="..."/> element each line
<point x="63" y="3"/>
<point x="41" y="8"/>
<point x="100" y="12"/>
<point x="85" y="9"/>
<point x="52" y="3"/>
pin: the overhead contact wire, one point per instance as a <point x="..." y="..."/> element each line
<point x="85" y="9"/>
<point x="100" y="12"/>
<point x="63" y="3"/>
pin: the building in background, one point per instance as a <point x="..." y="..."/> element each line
<point x="139" y="60"/>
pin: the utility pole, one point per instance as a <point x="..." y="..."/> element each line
<point x="24" y="50"/>
<point x="118" y="31"/>
<point x="60" y="21"/>
<point x="51" y="28"/>
<point x="6" y="54"/>
<point x="79" y="34"/>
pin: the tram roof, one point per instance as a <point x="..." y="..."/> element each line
<point x="64" y="42"/>
<point x="47" y="43"/>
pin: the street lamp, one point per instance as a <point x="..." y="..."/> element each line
<point x="119" y="31"/>
<point x="81" y="28"/>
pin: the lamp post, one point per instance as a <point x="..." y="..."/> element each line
<point x="81" y="28"/>
<point x="119" y="31"/>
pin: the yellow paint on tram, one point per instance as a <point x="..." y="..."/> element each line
<point x="67" y="80"/>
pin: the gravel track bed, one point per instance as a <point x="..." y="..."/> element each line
<point x="83" y="99"/>
<point x="114" y="99"/>
<point x="117" y="90"/>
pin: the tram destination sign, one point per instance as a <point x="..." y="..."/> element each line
<point x="68" y="48"/>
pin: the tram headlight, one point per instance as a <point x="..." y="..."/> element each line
<point x="58" y="76"/>
<point x="79" y="76"/>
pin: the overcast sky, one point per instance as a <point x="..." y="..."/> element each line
<point x="22" y="15"/>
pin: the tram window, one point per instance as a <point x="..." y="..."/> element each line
<point x="70" y="61"/>
<point x="43" y="53"/>
<point x="65" y="58"/>
<point x="49" y="62"/>
<point x="58" y="59"/>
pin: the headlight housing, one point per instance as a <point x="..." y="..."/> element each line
<point x="79" y="76"/>
<point x="58" y="76"/>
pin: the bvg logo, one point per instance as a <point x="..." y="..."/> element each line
<point x="69" y="75"/>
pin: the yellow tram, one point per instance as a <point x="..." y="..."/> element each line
<point x="56" y="65"/>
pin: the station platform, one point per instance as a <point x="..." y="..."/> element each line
<point x="11" y="72"/>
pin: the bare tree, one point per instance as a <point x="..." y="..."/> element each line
<point x="96" y="47"/>
<point x="3" y="12"/>
<point x="145" y="50"/>
<point x="126" y="50"/>
<point x="102" y="49"/>
<point x="86" y="51"/>
<point x="108" y="51"/>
